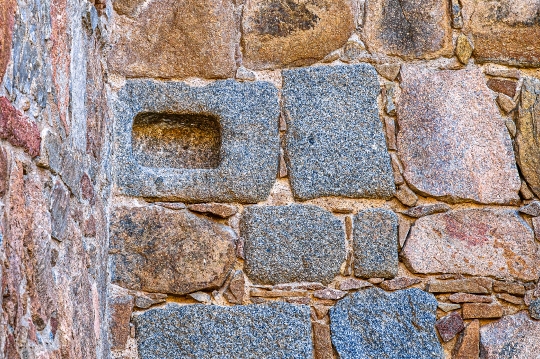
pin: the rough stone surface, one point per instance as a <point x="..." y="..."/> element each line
<point x="353" y="283"/>
<point x="505" y="31"/>
<point x="321" y="341"/>
<point x="468" y="344"/>
<point x="375" y="244"/>
<point x="174" y="39"/>
<point x="482" y="311"/>
<point x="248" y="116"/>
<point x="406" y="196"/>
<point x="278" y="330"/>
<point x="514" y="336"/>
<point x="283" y="33"/>
<point x="464" y="49"/>
<point x="534" y="309"/>
<point x="222" y="210"/>
<point x="469" y="298"/>
<point x="452" y="141"/>
<point x="510" y="298"/>
<point x="509" y="287"/>
<point x="59" y="211"/>
<point x="375" y="324"/>
<point x="293" y="243"/>
<point x="120" y="308"/>
<point x="473" y="285"/>
<point x="324" y="157"/>
<point x="425" y="210"/>
<point x="449" y="326"/>
<point x="478" y="242"/>
<point x="505" y="86"/>
<point x="7" y="20"/>
<point x="399" y="283"/>
<point x="328" y="293"/>
<point x="159" y="250"/>
<point x="532" y="209"/>
<point x="17" y="129"/>
<point x="448" y="307"/>
<point x="236" y="291"/>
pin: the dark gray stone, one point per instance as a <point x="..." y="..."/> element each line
<point x="373" y="324"/>
<point x="278" y="330"/>
<point x="534" y="309"/>
<point x="293" y="243"/>
<point x="246" y="115"/>
<point x="59" y="211"/>
<point x="375" y="244"/>
<point x="335" y="144"/>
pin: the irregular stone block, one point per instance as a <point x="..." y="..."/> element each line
<point x="399" y="283"/>
<point x="222" y="210"/>
<point x="159" y="250"/>
<point x="375" y="244"/>
<point x="278" y="330"/>
<point x="449" y="326"/>
<point x="120" y="308"/>
<point x="408" y="28"/>
<point x="472" y="285"/>
<point x="60" y="207"/>
<point x="373" y="324"/>
<point x="514" y="336"/>
<point x="19" y="130"/>
<point x="468" y="344"/>
<point x="241" y="117"/>
<point x="505" y="31"/>
<point x="495" y="243"/>
<point x="425" y="210"/>
<point x="283" y="33"/>
<point x="452" y="141"/>
<point x="534" y="309"/>
<point x="508" y="287"/>
<point x="532" y="209"/>
<point x="7" y="20"/>
<point x="326" y="158"/>
<point x="322" y="341"/>
<point x="505" y="86"/>
<point x="469" y="298"/>
<point x="174" y="39"/>
<point x="328" y="293"/>
<point x="482" y="310"/>
<point x="293" y="243"/>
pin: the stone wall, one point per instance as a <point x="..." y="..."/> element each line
<point x="270" y="179"/>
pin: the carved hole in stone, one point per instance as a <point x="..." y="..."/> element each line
<point x="168" y="140"/>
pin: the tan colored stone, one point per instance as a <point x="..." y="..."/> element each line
<point x="283" y="33"/>
<point x="406" y="196"/>
<point x="255" y="292"/>
<point x="236" y="291"/>
<point x="120" y="308"/>
<point x="469" y="298"/>
<point x="390" y="129"/>
<point x="329" y="293"/>
<point x="397" y="169"/>
<point x="299" y="286"/>
<point x="536" y="227"/>
<point x="509" y="287"/>
<point x="507" y="105"/>
<point x="473" y="285"/>
<point x="7" y="20"/>
<point x="511" y="299"/>
<point x="376" y="280"/>
<point x="448" y="307"/>
<point x="408" y="28"/>
<point x="452" y="141"/>
<point x="403" y="230"/>
<point x="468" y="344"/>
<point x="321" y="341"/>
<point x="222" y="210"/>
<point x="501" y="71"/>
<point x="399" y="283"/>
<point x="353" y="284"/>
<point x="464" y="49"/>
<point x="426" y="210"/>
<point x="482" y="311"/>
<point x="388" y="71"/>
<point x="525" y="192"/>
<point x="174" y="39"/>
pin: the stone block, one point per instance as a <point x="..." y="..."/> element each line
<point x="373" y="324"/>
<point x="7" y="20"/>
<point x="375" y="244"/>
<point x="277" y="330"/>
<point x="216" y="143"/>
<point x="18" y="129"/>
<point x="160" y="250"/>
<point x="295" y="243"/>
<point x="120" y="308"/>
<point x="468" y="344"/>
<point x="449" y="326"/>
<point x="325" y="156"/>
<point x="482" y="311"/>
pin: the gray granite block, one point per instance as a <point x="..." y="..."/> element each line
<point x="373" y="324"/>
<point x="277" y="330"/>
<point x="375" y="244"/>
<point x="295" y="243"/>
<point x="233" y="125"/>
<point x="335" y="144"/>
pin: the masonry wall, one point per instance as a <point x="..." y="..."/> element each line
<point x="270" y="179"/>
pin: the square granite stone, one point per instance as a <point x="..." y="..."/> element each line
<point x="335" y="144"/>
<point x="233" y="125"/>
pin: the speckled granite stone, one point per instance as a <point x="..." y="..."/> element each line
<point x="248" y="159"/>
<point x="373" y="324"/>
<point x="296" y="243"/>
<point x="335" y="143"/>
<point x="278" y="330"/>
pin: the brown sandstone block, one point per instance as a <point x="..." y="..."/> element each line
<point x="468" y="344"/>
<point x="482" y="311"/>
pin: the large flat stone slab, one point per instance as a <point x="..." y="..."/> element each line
<point x="283" y="33"/>
<point x="452" y="139"/>
<point x="174" y="38"/>
<point x="480" y="242"/>
<point x="295" y="243"/>
<point x="504" y="31"/>
<point x="373" y="324"/>
<point x="278" y="330"/>
<point x="216" y="143"/>
<point x="160" y="250"/>
<point x="335" y="143"/>
<point x="514" y="336"/>
<point x="408" y="28"/>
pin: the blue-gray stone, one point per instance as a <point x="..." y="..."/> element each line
<point x="373" y="324"/>
<point x="335" y="145"/>
<point x="375" y="244"/>
<point x="248" y="115"/>
<point x="295" y="243"/>
<point x="534" y="309"/>
<point x="277" y="330"/>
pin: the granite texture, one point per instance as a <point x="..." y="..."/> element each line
<point x="296" y="243"/>
<point x="325" y="157"/>
<point x="375" y="244"/>
<point x="372" y="324"/>
<point x="278" y="330"/>
<point x="249" y="154"/>
<point x="534" y="309"/>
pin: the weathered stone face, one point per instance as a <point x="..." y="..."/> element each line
<point x="234" y="158"/>
<point x="408" y="28"/>
<point x="159" y="250"/>
<point x="479" y="242"/>
<point x="278" y="330"/>
<point x="174" y="39"/>
<point x="283" y="33"/>
<point x="325" y="157"/>
<point x="293" y="243"/>
<point x="452" y="140"/>
<point x="18" y="129"/>
<point x="374" y="324"/>
<point x="6" y="32"/>
<point x="506" y="31"/>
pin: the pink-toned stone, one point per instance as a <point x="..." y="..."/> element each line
<point x="4" y="171"/>
<point x="477" y="242"/>
<point x="536" y="227"/>
<point x="469" y="298"/>
<point x="222" y="210"/>
<point x="471" y="285"/>
<point x="120" y="308"/>
<point x="511" y="299"/>
<point x="399" y="283"/>
<point x="17" y="129"/>
<point x="329" y="293"/>
<point x="468" y="344"/>
<point x="299" y="286"/>
<point x="7" y="20"/>
<point x="452" y="140"/>
<point x="321" y="341"/>
<point x="509" y="287"/>
<point x="236" y="291"/>
<point x="482" y="311"/>
<point x="449" y="326"/>
<point x="87" y="189"/>
<point x="353" y="284"/>
<point x="427" y="209"/>
<point x="256" y="292"/>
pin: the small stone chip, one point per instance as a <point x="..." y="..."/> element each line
<point x="468" y="344"/>
<point x="353" y="283"/>
<point x="388" y="71"/>
<point x="506" y="104"/>
<point x="426" y="210"/>
<point x="464" y="49"/>
<point x="469" y="298"/>
<point x="532" y="209"/>
<point x="449" y="326"/>
<point x="406" y="196"/>
<point x="534" y="309"/>
<point x="448" y="307"/>
<point x="222" y="210"/>
<point x="399" y="283"/>
<point x="474" y="285"/>
<point x="482" y="311"/>
<point x="276" y="293"/>
<point x="511" y="299"/>
<point x="328" y="293"/>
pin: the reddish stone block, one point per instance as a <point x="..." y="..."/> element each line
<point x="17" y="129"/>
<point x="449" y="326"/>
<point x="120" y="316"/>
<point x="7" y="12"/>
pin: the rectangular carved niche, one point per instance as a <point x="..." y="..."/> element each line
<point x="169" y="140"/>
